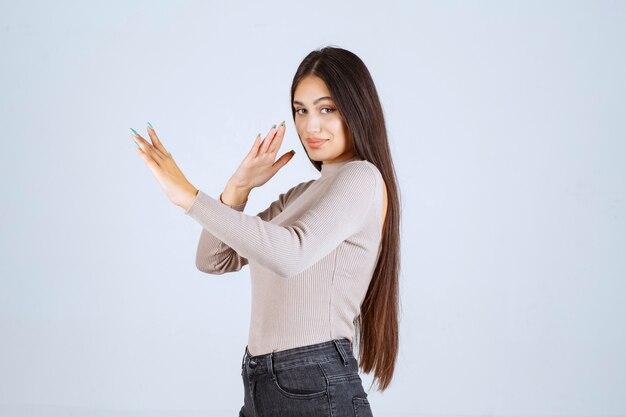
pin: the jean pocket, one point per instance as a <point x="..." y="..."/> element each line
<point x="301" y="382"/>
<point x="361" y="407"/>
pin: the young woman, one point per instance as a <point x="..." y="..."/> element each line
<point x="324" y="257"/>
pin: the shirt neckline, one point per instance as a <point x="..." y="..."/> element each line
<point x="329" y="169"/>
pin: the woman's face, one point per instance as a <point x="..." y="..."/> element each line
<point x="321" y="128"/>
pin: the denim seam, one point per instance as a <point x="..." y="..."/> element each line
<point x="314" y="362"/>
<point x="330" y="403"/>
<point x="301" y="396"/>
<point x="342" y="352"/>
<point x="344" y="378"/>
<point x="355" y="404"/>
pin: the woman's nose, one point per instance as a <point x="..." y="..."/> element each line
<point x="313" y="125"/>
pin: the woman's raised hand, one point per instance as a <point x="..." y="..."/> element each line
<point x="171" y="179"/>
<point x="260" y="163"/>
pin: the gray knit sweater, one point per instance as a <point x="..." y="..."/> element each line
<point x="311" y="253"/>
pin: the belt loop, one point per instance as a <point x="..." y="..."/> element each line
<point x="243" y="360"/>
<point x="270" y="365"/>
<point x="342" y="352"/>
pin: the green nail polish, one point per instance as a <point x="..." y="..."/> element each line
<point x="293" y="152"/>
<point x="136" y="143"/>
<point x="283" y="123"/>
<point x="134" y="132"/>
<point x="274" y="127"/>
<point x="150" y="126"/>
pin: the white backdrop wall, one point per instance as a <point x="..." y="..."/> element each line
<point x="506" y="122"/>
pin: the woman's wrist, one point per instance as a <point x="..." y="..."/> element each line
<point x="234" y="195"/>
<point x="188" y="198"/>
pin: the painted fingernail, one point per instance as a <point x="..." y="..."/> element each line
<point x="136" y="143"/>
<point x="274" y="127"/>
<point x="283" y="123"/>
<point x="134" y="132"/>
<point x="150" y="126"/>
<point x="293" y="152"/>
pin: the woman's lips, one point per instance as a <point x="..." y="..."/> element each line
<point x="316" y="143"/>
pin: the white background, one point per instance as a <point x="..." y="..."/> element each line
<point x="507" y="126"/>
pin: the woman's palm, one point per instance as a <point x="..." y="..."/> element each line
<point x="260" y="163"/>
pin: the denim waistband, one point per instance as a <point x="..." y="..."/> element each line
<point x="336" y="349"/>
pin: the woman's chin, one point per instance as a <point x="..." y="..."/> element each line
<point x="316" y="155"/>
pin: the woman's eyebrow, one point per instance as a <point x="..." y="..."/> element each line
<point x="315" y="102"/>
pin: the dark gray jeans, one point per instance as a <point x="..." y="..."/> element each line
<point x="315" y="380"/>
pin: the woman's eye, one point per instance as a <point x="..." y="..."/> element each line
<point x="324" y="110"/>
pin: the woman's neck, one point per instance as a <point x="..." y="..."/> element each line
<point x="330" y="168"/>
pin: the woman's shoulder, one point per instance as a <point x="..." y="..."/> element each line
<point x="360" y="168"/>
<point x="357" y="174"/>
<point x="358" y="164"/>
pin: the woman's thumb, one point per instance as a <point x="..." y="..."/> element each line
<point x="284" y="159"/>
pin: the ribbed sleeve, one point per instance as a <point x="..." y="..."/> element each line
<point x="214" y="256"/>
<point x="287" y="250"/>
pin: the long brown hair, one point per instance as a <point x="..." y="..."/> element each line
<point x="353" y="91"/>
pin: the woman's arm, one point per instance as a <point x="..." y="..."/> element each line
<point x="213" y="256"/>
<point x="288" y="250"/>
<point x="258" y="166"/>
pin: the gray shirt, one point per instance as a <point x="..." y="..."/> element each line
<point x="311" y="253"/>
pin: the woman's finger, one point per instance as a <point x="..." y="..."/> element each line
<point x="147" y="147"/>
<point x="282" y="161"/>
<point x="278" y="139"/>
<point x="267" y="140"/>
<point x="148" y="160"/>
<point x="156" y="141"/>
<point x="255" y="147"/>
